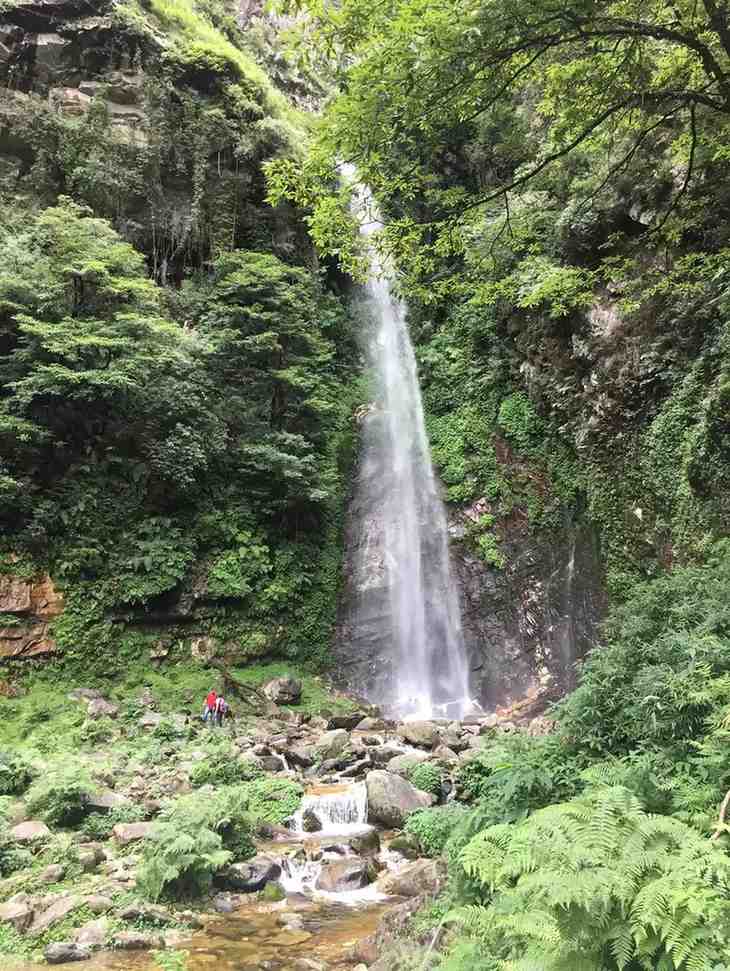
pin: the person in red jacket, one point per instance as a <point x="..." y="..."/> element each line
<point x="209" y="709"/>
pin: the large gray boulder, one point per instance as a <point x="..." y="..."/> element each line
<point x="64" y="952"/>
<point x="392" y="799"/>
<point x="345" y="875"/>
<point x="425" y="734"/>
<point x="331" y="744"/>
<point x="93" y="934"/>
<point x="101" y="708"/>
<point x="31" y="831"/>
<point x="414" y="879"/>
<point x="284" y="691"/>
<point x="18" y="912"/>
<point x="126" y="833"/>
<point x="402" y="764"/>
<point x="250" y="876"/>
<point x="105" y="801"/>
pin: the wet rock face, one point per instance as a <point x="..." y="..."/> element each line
<point x="524" y="625"/>
<point x="529" y="622"/>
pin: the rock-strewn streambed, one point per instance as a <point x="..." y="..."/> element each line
<point x="314" y="894"/>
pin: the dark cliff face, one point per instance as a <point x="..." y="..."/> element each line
<point x="525" y="625"/>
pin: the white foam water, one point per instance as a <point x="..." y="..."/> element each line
<point x="340" y="813"/>
<point x="431" y="674"/>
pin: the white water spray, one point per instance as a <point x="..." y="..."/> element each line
<point x="430" y="668"/>
<point x="339" y="813"/>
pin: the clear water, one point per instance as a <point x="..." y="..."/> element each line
<point x="429" y="659"/>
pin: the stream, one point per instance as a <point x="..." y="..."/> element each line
<point x="309" y="923"/>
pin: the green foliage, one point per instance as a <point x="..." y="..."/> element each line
<point x="223" y="766"/>
<point x="16" y="774"/>
<point x="59" y="795"/>
<point x="434" y="828"/>
<point x="99" y="826"/>
<point x="194" y="837"/>
<point x="597" y="883"/>
<point x="271" y="800"/>
<point x="517" y="774"/>
<point x="652" y="683"/>
<point x="426" y="776"/>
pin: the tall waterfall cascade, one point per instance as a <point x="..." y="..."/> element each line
<point x="429" y="674"/>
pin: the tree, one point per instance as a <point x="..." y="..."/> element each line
<point x="450" y="108"/>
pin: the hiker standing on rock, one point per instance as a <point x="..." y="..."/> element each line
<point x="209" y="707"/>
<point x="221" y="710"/>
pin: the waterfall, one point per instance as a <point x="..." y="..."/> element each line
<point x="429" y="669"/>
<point x="340" y="813"/>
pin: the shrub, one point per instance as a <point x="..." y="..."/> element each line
<point x="427" y="777"/>
<point x="15" y="774"/>
<point x="598" y="884"/>
<point x="223" y="766"/>
<point x="195" y="836"/>
<point x="272" y="800"/>
<point x="59" y="797"/>
<point x="100" y="825"/>
<point x="518" y="773"/>
<point x="433" y="828"/>
<point x="648" y="685"/>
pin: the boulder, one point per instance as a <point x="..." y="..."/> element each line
<point x="424" y="734"/>
<point x="150" y="719"/>
<point x="52" y="873"/>
<point x="32" y="831"/>
<point x="100" y="708"/>
<point x="358" y="768"/>
<point x="137" y="941"/>
<point x="402" y="764"/>
<point x="98" y="903"/>
<point x="345" y="875"/>
<point x="414" y="879"/>
<point x="382" y="755"/>
<point x="311" y="823"/>
<point x="347" y="721"/>
<point x="370" y="725"/>
<point x="406" y="845"/>
<point x="152" y="913"/>
<point x="272" y="763"/>
<point x="392" y="799"/>
<point x="302" y="756"/>
<point x="366" y="844"/>
<point x="125" y="833"/>
<point x="248" y="877"/>
<point x="284" y="691"/>
<point x="446" y="755"/>
<point x="454" y="741"/>
<point x="18" y="913"/>
<point x="64" y="952"/>
<point x="93" y="934"/>
<point x="224" y="903"/>
<point x="105" y="801"/>
<point x="331" y="744"/>
<point x="54" y="911"/>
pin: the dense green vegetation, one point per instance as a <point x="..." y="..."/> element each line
<point x="178" y="377"/>
<point x="554" y="180"/>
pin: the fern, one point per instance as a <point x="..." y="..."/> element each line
<point x="597" y="883"/>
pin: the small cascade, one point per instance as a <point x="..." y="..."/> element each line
<point x="341" y="811"/>
<point x="299" y="875"/>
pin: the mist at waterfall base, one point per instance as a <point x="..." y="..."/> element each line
<point x="430" y="676"/>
